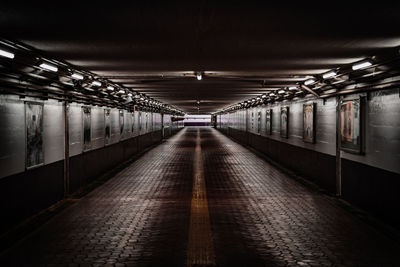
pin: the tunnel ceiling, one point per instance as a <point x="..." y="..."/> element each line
<point x="242" y="49"/>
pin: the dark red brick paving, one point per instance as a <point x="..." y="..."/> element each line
<point x="259" y="216"/>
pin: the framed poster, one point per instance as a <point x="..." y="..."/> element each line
<point x="107" y="126"/>
<point x="34" y="134"/>
<point x="121" y="121"/>
<point x="147" y="121"/>
<point x="140" y="121"/>
<point x="133" y="122"/>
<point x="284" y="121"/>
<point x="258" y="122"/>
<point x="87" y="122"/>
<point x="252" y="121"/>
<point x="350" y="125"/>
<point x="268" y="121"/>
<point x="308" y="123"/>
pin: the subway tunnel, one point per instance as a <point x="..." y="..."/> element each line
<point x="199" y="134"/>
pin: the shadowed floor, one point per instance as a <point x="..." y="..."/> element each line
<point x="201" y="199"/>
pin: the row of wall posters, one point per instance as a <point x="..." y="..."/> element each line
<point x="350" y="124"/>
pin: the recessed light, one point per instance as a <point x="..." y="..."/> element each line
<point x="6" y="54"/>
<point x="49" y="67"/>
<point x="329" y="74"/>
<point x="362" y="65"/>
<point x="77" y="76"/>
<point x="96" y="83"/>
<point x="310" y="81"/>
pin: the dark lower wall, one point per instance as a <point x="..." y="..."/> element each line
<point x="27" y="193"/>
<point x="371" y="188"/>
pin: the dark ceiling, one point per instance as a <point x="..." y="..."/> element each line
<point x="244" y="49"/>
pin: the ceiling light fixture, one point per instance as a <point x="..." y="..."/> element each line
<point x="362" y="65"/>
<point x="199" y="76"/>
<point x="329" y="74"/>
<point x="292" y="88"/>
<point x="6" y="54"/>
<point x="281" y="92"/>
<point x="96" y="83"/>
<point x="48" y="67"/>
<point x="77" y="76"/>
<point x="310" y="81"/>
<point x="111" y="88"/>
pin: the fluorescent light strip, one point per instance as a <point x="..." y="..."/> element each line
<point x="6" y="54"/>
<point x="48" y="67"/>
<point x="310" y="81"/>
<point x="96" y="83"/>
<point x="361" y="65"/>
<point x="329" y="74"/>
<point x="77" y="76"/>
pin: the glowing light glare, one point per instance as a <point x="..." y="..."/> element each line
<point x="6" y="54"/>
<point x="110" y="88"/>
<point x="48" y="67"/>
<point x="96" y="83"/>
<point x="281" y="91"/>
<point x="271" y="94"/>
<point x="121" y="91"/>
<point x="291" y="88"/>
<point x="77" y="76"/>
<point x="310" y="81"/>
<point x="329" y="74"/>
<point x="263" y="96"/>
<point x="130" y="94"/>
<point x="361" y="65"/>
<point x="141" y="98"/>
<point x="199" y="77"/>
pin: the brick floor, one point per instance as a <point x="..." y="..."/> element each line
<point x="258" y="216"/>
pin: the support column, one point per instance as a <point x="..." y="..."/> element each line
<point x="338" y="151"/>
<point x="66" y="149"/>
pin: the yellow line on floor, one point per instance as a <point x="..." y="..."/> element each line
<point x="200" y="247"/>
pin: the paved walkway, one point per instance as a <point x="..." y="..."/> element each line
<point x="200" y="199"/>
